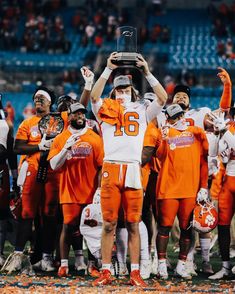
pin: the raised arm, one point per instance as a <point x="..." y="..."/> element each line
<point x="88" y="77"/>
<point x="226" y="98"/>
<point x="154" y="83"/>
<point x="102" y="80"/>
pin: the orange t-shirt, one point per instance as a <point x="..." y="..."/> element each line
<point x="151" y="139"/>
<point x="78" y="178"/>
<point x="180" y="156"/>
<point x="28" y="131"/>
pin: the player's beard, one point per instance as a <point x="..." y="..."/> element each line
<point x="183" y="106"/>
<point x="77" y="126"/>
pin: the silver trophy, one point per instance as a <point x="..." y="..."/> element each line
<point x="126" y="46"/>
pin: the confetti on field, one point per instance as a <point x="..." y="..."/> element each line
<point x="19" y="284"/>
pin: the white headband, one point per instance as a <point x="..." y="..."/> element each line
<point x="44" y="93"/>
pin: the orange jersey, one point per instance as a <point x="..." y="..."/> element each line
<point x="28" y="131"/>
<point x="181" y="160"/>
<point x="151" y="139"/>
<point x="78" y="180"/>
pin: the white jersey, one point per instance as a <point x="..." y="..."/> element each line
<point x="4" y="129"/>
<point x="91" y="227"/>
<point x="227" y="146"/>
<point x="195" y="117"/>
<point x="125" y="143"/>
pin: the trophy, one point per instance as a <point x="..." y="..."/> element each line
<point x="126" y="46"/>
<point x="51" y="124"/>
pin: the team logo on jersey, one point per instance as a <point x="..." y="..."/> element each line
<point x="34" y="131"/>
<point x="183" y="140"/>
<point x="80" y="150"/>
<point x="172" y="146"/>
<point x="105" y="174"/>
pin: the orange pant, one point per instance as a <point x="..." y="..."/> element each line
<point x="72" y="213"/>
<point x="226" y="203"/>
<point x="217" y="182"/>
<point x="4" y="187"/>
<point x="167" y="209"/>
<point x="37" y="197"/>
<point x="114" y="193"/>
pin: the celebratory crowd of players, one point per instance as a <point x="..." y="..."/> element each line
<point x="106" y="179"/>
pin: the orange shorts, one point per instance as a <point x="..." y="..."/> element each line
<point x="72" y="213"/>
<point x="4" y="187"/>
<point x="37" y="197"/>
<point x="114" y="194"/>
<point x="167" y="209"/>
<point x="226" y="201"/>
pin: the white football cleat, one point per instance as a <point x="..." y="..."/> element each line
<point x="155" y="265"/>
<point x="162" y="269"/>
<point x="80" y="266"/>
<point x="181" y="270"/>
<point x="224" y="273"/>
<point x="190" y="267"/>
<point x="45" y="265"/>
<point x="145" y="269"/>
<point x="17" y="261"/>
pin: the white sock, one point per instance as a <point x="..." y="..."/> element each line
<point x="144" y="252"/>
<point x="226" y="264"/>
<point x="64" y="262"/>
<point x="122" y="244"/>
<point x="106" y="266"/>
<point x="135" y="266"/>
<point x="205" y="248"/>
<point x="79" y="257"/>
<point x="180" y="263"/>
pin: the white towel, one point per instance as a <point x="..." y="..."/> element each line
<point x="133" y="179"/>
<point x="22" y="174"/>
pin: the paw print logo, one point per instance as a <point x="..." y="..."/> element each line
<point x="172" y="146"/>
<point x="210" y="220"/>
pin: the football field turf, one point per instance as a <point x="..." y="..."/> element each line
<point x="50" y="283"/>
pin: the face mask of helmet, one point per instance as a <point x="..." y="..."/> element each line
<point x="124" y="98"/>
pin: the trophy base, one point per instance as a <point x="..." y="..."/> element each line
<point x="126" y="58"/>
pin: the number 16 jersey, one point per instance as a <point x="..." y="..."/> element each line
<point x="124" y="143"/>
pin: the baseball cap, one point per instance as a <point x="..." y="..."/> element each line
<point x="77" y="107"/>
<point x="150" y="96"/>
<point x="182" y="88"/>
<point x="173" y="111"/>
<point x="122" y="81"/>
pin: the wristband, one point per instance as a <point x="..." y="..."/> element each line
<point x="88" y="86"/>
<point x="106" y="73"/>
<point x="153" y="82"/>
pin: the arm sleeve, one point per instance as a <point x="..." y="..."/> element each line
<point x="226" y="98"/>
<point x="153" y="110"/>
<point x="95" y="108"/>
<point x="23" y="131"/>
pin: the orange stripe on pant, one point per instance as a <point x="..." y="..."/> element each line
<point x="114" y="193"/>
<point x="167" y="209"/>
<point x="40" y="197"/>
<point x="226" y="201"/>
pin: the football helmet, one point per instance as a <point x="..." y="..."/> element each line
<point x="205" y="217"/>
